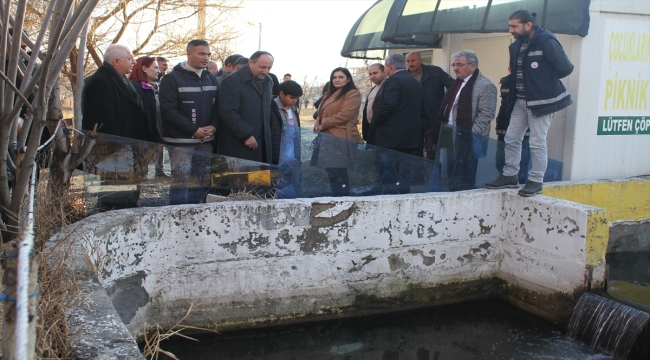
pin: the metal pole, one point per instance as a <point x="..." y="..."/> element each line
<point x="259" y="44"/>
<point x="21" y="284"/>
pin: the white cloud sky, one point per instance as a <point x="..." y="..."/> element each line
<point x="304" y="36"/>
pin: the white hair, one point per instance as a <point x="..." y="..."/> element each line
<point x="468" y="54"/>
<point x="116" y="51"/>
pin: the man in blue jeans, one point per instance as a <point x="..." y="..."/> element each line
<point x="536" y="93"/>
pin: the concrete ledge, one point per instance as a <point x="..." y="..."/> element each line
<point x="254" y="263"/>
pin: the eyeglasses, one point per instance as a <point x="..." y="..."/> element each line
<point x="457" y="64"/>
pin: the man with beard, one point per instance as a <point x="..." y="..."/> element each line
<point x="536" y="93"/>
<point x="245" y="110"/>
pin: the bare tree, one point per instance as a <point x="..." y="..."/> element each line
<point x="311" y="88"/>
<point x="31" y="82"/>
<point x="157" y="27"/>
<point x="149" y="27"/>
<point x="362" y="79"/>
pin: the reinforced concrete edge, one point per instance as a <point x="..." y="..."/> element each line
<point x="127" y="220"/>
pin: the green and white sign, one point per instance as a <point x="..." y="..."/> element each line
<point x="626" y="125"/>
<point x="625" y="79"/>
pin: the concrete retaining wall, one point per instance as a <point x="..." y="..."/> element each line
<point x="253" y="263"/>
<point x="624" y="201"/>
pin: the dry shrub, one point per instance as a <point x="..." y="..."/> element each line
<point x="154" y="335"/>
<point x="58" y="289"/>
<point x="247" y="195"/>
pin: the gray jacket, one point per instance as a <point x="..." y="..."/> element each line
<point x="484" y="105"/>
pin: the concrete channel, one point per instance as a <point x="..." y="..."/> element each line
<point x="259" y="263"/>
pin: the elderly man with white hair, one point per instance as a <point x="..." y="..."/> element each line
<point x="110" y="100"/>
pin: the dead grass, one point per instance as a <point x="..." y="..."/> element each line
<point x="57" y="281"/>
<point x="155" y="335"/>
<point x="250" y="194"/>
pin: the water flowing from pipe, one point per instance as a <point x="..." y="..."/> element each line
<point x="606" y="325"/>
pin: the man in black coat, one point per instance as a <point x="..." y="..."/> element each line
<point x="245" y="111"/>
<point x="434" y="81"/>
<point x="396" y="125"/>
<point x="110" y="101"/>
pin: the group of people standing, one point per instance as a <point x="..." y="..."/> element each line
<point x="406" y="111"/>
<point x="237" y="114"/>
<point x="181" y="109"/>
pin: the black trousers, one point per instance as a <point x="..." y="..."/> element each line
<point x="395" y="169"/>
<point x="339" y="181"/>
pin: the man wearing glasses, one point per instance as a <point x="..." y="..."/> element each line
<point x="469" y="105"/>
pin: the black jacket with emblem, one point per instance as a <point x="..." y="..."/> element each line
<point x="187" y="103"/>
<point x="544" y="64"/>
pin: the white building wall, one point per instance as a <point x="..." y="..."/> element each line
<point x="588" y="155"/>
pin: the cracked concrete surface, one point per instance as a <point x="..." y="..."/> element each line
<point x="262" y="262"/>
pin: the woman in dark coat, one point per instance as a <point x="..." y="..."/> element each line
<point x="338" y="116"/>
<point x="144" y="76"/>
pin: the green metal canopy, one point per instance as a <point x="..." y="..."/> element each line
<point x="364" y="40"/>
<point x="420" y="22"/>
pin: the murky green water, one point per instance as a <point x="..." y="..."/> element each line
<point x="474" y="330"/>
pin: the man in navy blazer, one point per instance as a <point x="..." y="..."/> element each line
<point x="396" y="125"/>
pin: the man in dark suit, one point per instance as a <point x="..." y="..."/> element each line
<point x="245" y="111"/>
<point x="396" y="125"/>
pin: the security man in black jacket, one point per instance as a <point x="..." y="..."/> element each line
<point x="188" y="109"/>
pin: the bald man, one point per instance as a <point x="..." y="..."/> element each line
<point x="434" y="81"/>
<point x="213" y="68"/>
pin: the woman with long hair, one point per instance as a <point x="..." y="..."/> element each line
<point x="338" y="115"/>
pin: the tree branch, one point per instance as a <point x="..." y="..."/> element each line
<point x="18" y="93"/>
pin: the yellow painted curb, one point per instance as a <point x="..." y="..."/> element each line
<point x="597" y="238"/>
<point x="623" y="200"/>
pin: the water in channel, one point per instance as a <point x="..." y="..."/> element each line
<point x="488" y="329"/>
